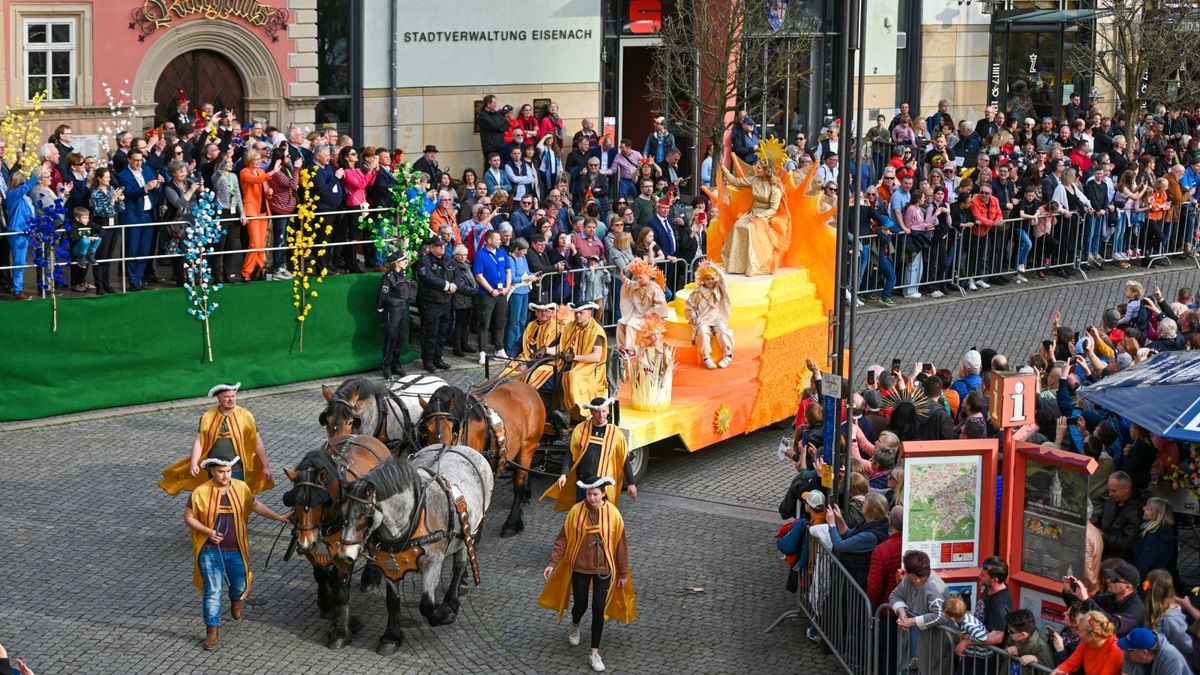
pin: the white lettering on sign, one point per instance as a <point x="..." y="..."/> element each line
<point x="1018" y="399"/>
<point x="496" y="35"/>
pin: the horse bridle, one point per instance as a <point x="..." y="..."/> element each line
<point x="369" y="528"/>
<point x="455" y="424"/>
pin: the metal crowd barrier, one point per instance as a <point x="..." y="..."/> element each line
<point x="867" y="641"/>
<point x="962" y="259"/>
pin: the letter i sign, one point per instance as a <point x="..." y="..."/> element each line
<point x="1013" y="399"/>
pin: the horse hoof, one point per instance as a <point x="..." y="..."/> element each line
<point x="442" y="616"/>
<point x="506" y="532"/>
<point x="337" y="642"/>
<point x="368" y="588"/>
<point x="356" y="624"/>
<point x="387" y="647"/>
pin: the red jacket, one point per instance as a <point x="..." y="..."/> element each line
<point x="987" y="214"/>
<point x="881" y="578"/>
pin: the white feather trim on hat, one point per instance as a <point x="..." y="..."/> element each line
<point x="224" y="387"/>
<point x="217" y="461"/>
<point x="587" y="305"/>
<point x="598" y="403"/>
<point x="535" y="306"/>
<point x="598" y="483"/>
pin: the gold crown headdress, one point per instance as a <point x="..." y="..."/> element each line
<point x="772" y="152"/>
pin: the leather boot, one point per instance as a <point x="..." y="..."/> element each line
<point x="236" y="610"/>
<point x="210" y="639"/>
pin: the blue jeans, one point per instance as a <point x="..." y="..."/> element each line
<point x="19" y="245"/>
<point x="279" y="258"/>
<point x="518" y="309"/>
<point x="1119" y="235"/>
<point x="888" y="272"/>
<point x="1024" y="245"/>
<point x="217" y="568"/>
<point x="1091" y="233"/>
<point x="137" y="244"/>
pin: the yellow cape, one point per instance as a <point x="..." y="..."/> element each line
<point x="612" y="463"/>
<point x="537" y="337"/>
<point x="621" y="604"/>
<point x="205" y="500"/>
<point x="584" y="381"/>
<point x="244" y="434"/>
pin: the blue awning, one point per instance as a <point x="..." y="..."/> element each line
<point x="1161" y="394"/>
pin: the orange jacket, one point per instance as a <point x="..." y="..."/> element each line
<point x="987" y="214"/>
<point x="441" y="217"/>
<point x="1160" y="203"/>
<point x="253" y="180"/>
<point x="1107" y="660"/>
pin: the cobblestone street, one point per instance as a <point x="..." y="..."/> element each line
<point x="97" y="574"/>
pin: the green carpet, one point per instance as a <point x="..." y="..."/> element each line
<point x="119" y="350"/>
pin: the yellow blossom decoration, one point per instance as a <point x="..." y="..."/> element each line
<point x="22" y="135"/>
<point x="303" y="232"/>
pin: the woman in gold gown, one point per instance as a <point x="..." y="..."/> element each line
<point x="752" y="245"/>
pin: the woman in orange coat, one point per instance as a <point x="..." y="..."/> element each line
<point x="253" y="182"/>
<point x="1097" y="653"/>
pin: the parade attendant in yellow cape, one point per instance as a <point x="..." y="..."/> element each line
<point x="597" y="449"/>
<point x="587" y="344"/>
<point x="216" y="515"/>
<point x="540" y="339"/>
<point x="225" y="425"/>
<point x="591" y="553"/>
<point x="759" y="237"/>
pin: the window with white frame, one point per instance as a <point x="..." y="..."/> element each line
<point x="50" y="59"/>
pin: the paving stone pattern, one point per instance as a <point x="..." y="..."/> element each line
<point x="97" y="574"/>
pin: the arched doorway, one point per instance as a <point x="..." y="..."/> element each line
<point x="205" y="77"/>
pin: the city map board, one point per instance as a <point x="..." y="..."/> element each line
<point x="949" y="502"/>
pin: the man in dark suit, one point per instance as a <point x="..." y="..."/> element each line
<point x="120" y="158"/>
<point x="492" y="125"/>
<point x="664" y="236"/>
<point x="428" y="165"/>
<point x="141" y="203"/>
<point x="330" y="197"/>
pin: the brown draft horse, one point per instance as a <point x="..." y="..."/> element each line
<point x="386" y="411"/>
<point x="319" y="486"/>
<point x="460" y="418"/>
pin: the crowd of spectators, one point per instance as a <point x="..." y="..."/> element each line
<point x="1128" y="606"/>
<point x="976" y="203"/>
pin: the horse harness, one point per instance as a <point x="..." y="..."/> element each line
<point x="382" y="408"/>
<point x="497" y="436"/>
<point x="399" y="557"/>
<point x="323" y="553"/>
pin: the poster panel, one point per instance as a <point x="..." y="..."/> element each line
<point x="942" y="509"/>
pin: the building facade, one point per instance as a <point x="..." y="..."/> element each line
<point x="256" y="57"/>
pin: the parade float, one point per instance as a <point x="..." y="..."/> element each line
<point x="778" y="317"/>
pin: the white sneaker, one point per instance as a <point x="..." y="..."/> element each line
<point x="936" y="294"/>
<point x="482" y="358"/>
<point x="500" y="354"/>
<point x="1020" y="278"/>
<point x="283" y="273"/>
<point x="983" y="284"/>
<point x="858" y="302"/>
<point x="1020" y="270"/>
<point x="725" y="361"/>
<point x="971" y="285"/>
<point x="573" y="634"/>
<point x="596" y="662"/>
<point x="912" y="296"/>
<point x="708" y="363"/>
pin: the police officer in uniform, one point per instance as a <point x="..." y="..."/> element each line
<point x="434" y="277"/>
<point x="395" y="290"/>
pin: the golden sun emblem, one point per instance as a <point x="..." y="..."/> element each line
<point x="722" y="419"/>
<point x="771" y="151"/>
